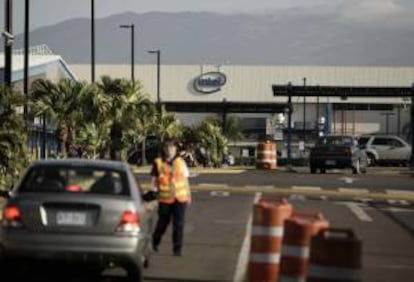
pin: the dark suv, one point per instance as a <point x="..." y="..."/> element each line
<point x="337" y="152"/>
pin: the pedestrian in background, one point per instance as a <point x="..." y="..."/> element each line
<point x="170" y="179"/>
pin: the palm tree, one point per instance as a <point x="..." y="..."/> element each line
<point x="167" y="126"/>
<point x="13" y="137"/>
<point x="92" y="138"/>
<point x="60" y="103"/>
<point x="209" y="135"/>
<point x="144" y="124"/>
<point x="233" y="127"/>
<point x="126" y="103"/>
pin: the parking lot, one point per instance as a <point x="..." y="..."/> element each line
<point x="378" y="207"/>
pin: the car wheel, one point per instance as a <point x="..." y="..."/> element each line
<point x="134" y="273"/>
<point x="371" y="160"/>
<point x="356" y="169"/>
<point x="313" y="169"/>
<point x="323" y="170"/>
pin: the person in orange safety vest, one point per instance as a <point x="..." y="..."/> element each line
<point x="170" y="179"/>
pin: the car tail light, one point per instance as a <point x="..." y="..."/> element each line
<point x="12" y="216"/>
<point x="129" y="223"/>
<point x="348" y="152"/>
<point x="73" y="188"/>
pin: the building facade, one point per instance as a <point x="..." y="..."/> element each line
<point x="247" y="92"/>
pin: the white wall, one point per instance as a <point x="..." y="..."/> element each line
<point x="253" y="83"/>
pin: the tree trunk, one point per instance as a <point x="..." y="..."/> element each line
<point x="62" y="139"/>
<point x="144" y="153"/>
<point x="116" y="141"/>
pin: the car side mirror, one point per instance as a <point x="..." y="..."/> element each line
<point x="150" y="196"/>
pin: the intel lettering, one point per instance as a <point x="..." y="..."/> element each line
<point x="210" y="82"/>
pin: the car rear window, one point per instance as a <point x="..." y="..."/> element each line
<point x="347" y="141"/>
<point x="363" y="141"/>
<point x="75" y="180"/>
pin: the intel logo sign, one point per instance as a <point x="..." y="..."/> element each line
<point x="210" y="82"/>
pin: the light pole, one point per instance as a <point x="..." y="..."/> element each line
<point x="93" y="41"/>
<point x="26" y="51"/>
<point x="288" y="111"/>
<point x="412" y="128"/>
<point x="304" y="110"/>
<point x="132" y="27"/>
<point x="158" y="53"/>
<point x="8" y="42"/>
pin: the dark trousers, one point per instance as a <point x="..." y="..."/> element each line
<point x="176" y="211"/>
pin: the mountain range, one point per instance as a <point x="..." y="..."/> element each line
<point x="288" y="37"/>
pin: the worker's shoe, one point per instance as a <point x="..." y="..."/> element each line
<point x="177" y="252"/>
<point x="154" y="247"/>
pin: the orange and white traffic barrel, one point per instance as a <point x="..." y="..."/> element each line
<point x="299" y="230"/>
<point x="266" y="155"/>
<point x="335" y="256"/>
<point x="266" y="239"/>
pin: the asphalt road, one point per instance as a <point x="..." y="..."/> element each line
<point x="216" y="227"/>
<point x="373" y="181"/>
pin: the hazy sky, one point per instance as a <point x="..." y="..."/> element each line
<point x="46" y="12"/>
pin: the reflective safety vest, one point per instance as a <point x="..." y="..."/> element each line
<point x="172" y="183"/>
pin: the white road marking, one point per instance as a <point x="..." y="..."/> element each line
<point x="397" y="210"/>
<point x="392" y="202"/>
<point x="400" y="192"/>
<point x="219" y="193"/>
<point x="259" y="186"/>
<point x="365" y="200"/>
<point x="398" y="202"/>
<point x="353" y="190"/>
<point x="212" y="185"/>
<point x="404" y="203"/>
<point x="358" y="212"/>
<point x="243" y="260"/>
<point x="307" y="188"/>
<point x="297" y="197"/>
<point x="348" y="180"/>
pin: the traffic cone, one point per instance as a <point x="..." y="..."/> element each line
<point x="266" y="239"/>
<point x="299" y="230"/>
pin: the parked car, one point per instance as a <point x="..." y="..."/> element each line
<point x="337" y="152"/>
<point x="77" y="211"/>
<point x="386" y="149"/>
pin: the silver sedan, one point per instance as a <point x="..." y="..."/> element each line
<point x="77" y="211"/>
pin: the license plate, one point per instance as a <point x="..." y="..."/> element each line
<point x="71" y="218"/>
<point x="330" y="162"/>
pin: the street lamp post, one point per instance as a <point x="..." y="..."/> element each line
<point x="304" y="111"/>
<point x="93" y="41"/>
<point x="8" y="42"/>
<point x="26" y="51"/>
<point x="289" y="111"/>
<point x="132" y="27"/>
<point x="412" y="128"/>
<point x="158" y="53"/>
